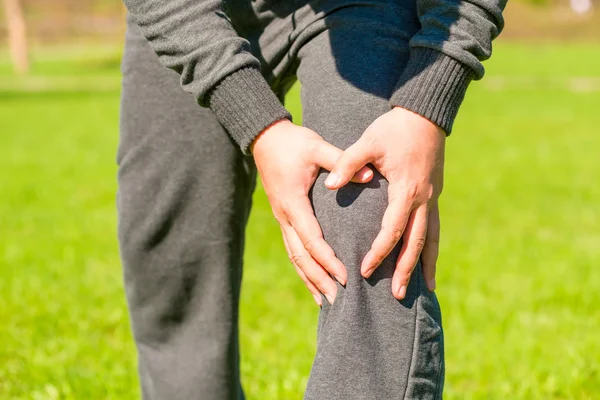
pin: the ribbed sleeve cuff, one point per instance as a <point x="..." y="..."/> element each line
<point x="433" y="85"/>
<point x="245" y="105"/>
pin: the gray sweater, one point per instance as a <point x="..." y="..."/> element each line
<point x="214" y="49"/>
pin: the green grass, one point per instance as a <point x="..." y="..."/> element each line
<point x="518" y="279"/>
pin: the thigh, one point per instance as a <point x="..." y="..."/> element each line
<point x="370" y="346"/>
<point x="184" y="198"/>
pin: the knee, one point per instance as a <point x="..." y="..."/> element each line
<point x="351" y="216"/>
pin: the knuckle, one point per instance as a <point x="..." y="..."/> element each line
<point x="428" y="193"/>
<point x="284" y="211"/>
<point x="297" y="195"/>
<point x="412" y="191"/>
<point x="419" y="243"/>
<point x="296" y="259"/>
<point x="397" y="234"/>
<point x="394" y="233"/>
<point x="280" y="211"/>
<point x="311" y="244"/>
<point x="420" y="193"/>
<point x="280" y="218"/>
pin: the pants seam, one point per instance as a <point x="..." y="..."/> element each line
<point x="414" y="347"/>
<point x="440" y="375"/>
<point x="438" y="383"/>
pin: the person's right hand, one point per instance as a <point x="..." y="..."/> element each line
<point x="288" y="158"/>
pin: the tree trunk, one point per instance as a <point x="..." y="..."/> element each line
<point x="17" y="35"/>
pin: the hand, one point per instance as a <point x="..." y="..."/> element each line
<point x="408" y="150"/>
<point x="288" y="158"/>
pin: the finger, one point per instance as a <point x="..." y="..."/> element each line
<point x="302" y="218"/>
<point x="430" y="252"/>
<point x="351" y="161"/>
<point x="314" y="272"/>
<point x="392" y="228"/>
<point x="364" y="175"/>
<point x="326" y="155"/>
<point x="414" y="241"/>
<point x="313" y="290"/>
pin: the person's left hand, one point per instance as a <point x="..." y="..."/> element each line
<point x="408" y="150"/>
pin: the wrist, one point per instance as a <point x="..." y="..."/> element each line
<point x="418" y="128"/>
<point x="422" y="119"/>
<point x="266" y="132"/>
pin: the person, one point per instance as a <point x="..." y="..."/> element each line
<point x="355" y="190"/>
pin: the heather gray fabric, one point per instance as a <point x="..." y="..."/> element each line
<point x="184" y="198"/>
<point x="207" y="41"/>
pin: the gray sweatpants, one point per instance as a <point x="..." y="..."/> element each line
<point x="184" y="198"/>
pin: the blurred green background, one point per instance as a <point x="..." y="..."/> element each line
<point x="518" y="271"/>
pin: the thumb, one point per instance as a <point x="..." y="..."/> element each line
<point x="354" y="159"/>
<point x="327" y="155"/>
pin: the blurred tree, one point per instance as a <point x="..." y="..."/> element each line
<point x="17" y="35"/>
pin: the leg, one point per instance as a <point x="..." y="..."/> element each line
<point x="370" y="346"/>
<point x="184" y="198"/>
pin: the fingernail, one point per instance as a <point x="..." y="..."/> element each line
<point x="332" y="179"/>
<point x="366" y="267"/>
<point x="340" y="280"/>
<point x="368" y="174"/>
<point x="431" y="285"/>
<point x="317" y="299"/>
<point x="329" y="298"/>
<point x="402" y="292"/>
<point x="369" y="271"/>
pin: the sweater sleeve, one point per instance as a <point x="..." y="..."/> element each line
<point x="446" y="55"/>
<point x="196" y="39"/>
